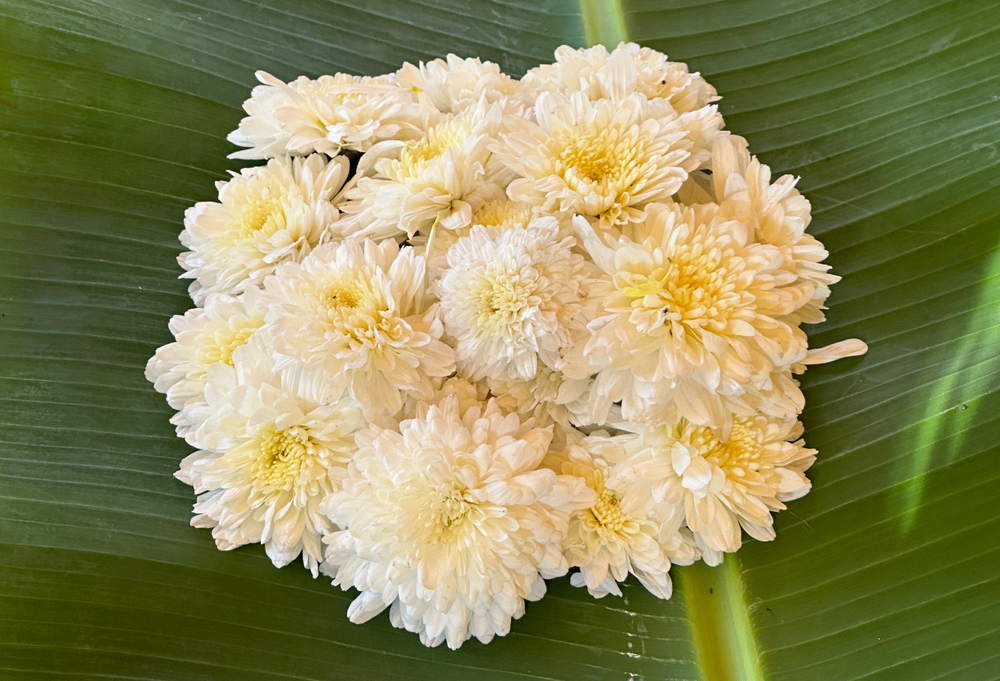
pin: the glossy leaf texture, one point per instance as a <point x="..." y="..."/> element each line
<point x="113" y="116"/>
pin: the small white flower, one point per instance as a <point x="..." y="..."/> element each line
<point x="686" y="472"/>
<point x="512" y="299"/>
<point x="603" y="159"/>
<point x="325" y="115"/>
<point x="690" y="322"/>
<point x="432" y="180"/>
<point x="455" y="84"/>
<point x="548" y="396"/>
<point x="626" y="70"/>
<point x="204" y="337"/>
<point x="265" y="216"/>
<point x="616" y="536"/>
<point x="265" y="459"/>
<point x="352" y="313"/>
<point x="450" y="523"/>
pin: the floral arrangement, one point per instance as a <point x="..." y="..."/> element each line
<point x="461" y="333"/>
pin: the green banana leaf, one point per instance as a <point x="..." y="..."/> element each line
<point x="113" y="117"/>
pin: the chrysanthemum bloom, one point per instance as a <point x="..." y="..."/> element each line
<point x="204" y="336"/>
<point x="717" y="485"/>
<point x="549" y="395"/>
<point x="354" y="313"/>
<point x="512" y="299"/>
<point x="778" y="215"/>
<point x="433" y="180"/>
<point x="629" y="68"/>
<point x="616" y="536"/>
<point x="604" y="159"/>
<point x="326" y="115"/>
<point x="691" y="321"/>
<point x="265" y="216"/>
<point x="265" y="458"/>
<point x="450" y="523"/>
<point x="455" y="84"/>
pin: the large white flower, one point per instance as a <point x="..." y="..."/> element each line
<point x="326" y="115"/>
<point x="265" y="216"/>
<point x="455" y="84"/>
<point x="450" y="523"/>
<point x="690" y="322"/>
<point x="353" y="312"/>
<point x="603" y="159"/>
<point x="684" y="472"/>
<point x="512" y="299"/>
<point x="629" y="68"/>
<point x="204" y="336"/>
<point x="615" y="536"/>
<point x="432" y="180"/>
<point x="265" y="458"/>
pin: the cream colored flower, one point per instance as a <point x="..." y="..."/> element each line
<point x="691" y="322"/>
<point x="265" y="216"/>
<point x="450" y="523"/>
<point x="548" y="396"/>
<point x="455" y="84"/>
<point x="265" y="458"/>
<point x="616" y="536"/>
<point x="326" y="115"/>
<point x="628" y="69"/>
<point x="603" y="159"/>
<point x="433" y="180"/>
<point x="512" y="299"/>
<point x="204" y="337"/>
<point x="352" y="312"/>
<point x="686" y="472"/>
<point x="778" y="215"/>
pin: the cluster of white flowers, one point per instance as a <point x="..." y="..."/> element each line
<point x="463" y="333"/>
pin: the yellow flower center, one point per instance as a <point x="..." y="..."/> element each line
<point x="453" y="506"/>
<point x="742" y="450"/>
<point x="257" y="219"/>
<point x="416" y="156"/>
<point x="283" y="454"/>
<point x="343" y="295"/>
<point x="501" y="297"/>
<point x="606" y="511"/>
<point x="699" y="286"/>
<point x="238" y="339"/>
<point x="502" y="214"/>
<point x="603" y="161"/>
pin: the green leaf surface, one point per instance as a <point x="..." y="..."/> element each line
<point x="113" y="116"/>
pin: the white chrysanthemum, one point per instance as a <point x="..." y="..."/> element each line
<point x="778" y="215"/>
<point x="627" y="69"/>
<point x="326" y="115"/>
<point x="456" y="84"/>
<point x="512" y="299"/>
<point x="433" y="180"/>
<point x="353" y="312"/>
<point x="204" y="336"/>
<point x="690" y="322"/>
<point x="265" y="459"/>
<point x="450" y="523"/>
<point x="265" y="216"/>
<point x="603" y="159"/>
<point x="616" y="536"/>
<point x="548" y="396"/>
<point x="687" y="473"/>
